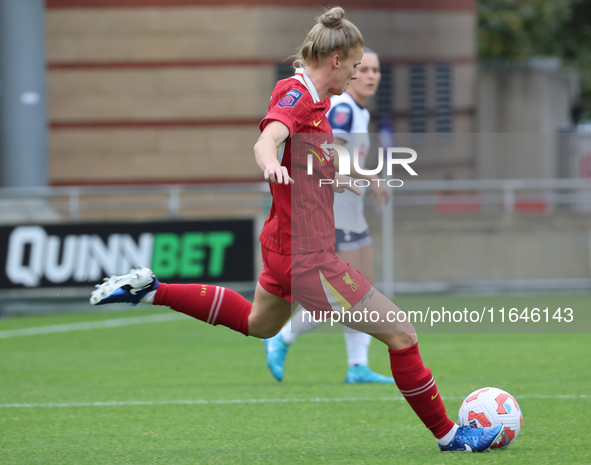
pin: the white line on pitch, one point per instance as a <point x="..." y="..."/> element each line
<point x="259" y="401"/>
<point x="112" y="323"/>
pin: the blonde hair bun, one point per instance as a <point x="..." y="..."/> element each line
<point x="332" y="18"/>
<point x="331" y="33"/>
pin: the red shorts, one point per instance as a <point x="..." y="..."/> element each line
<point x="320" y="281"/>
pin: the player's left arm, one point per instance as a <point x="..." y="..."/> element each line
<point x="378" y="189"/>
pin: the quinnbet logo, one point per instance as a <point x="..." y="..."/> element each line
<point x="186" y="255"/>
<point x="61" y="255"/>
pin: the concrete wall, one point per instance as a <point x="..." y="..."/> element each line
<point x="464" y="248"/>
<point x="520" y="111"/>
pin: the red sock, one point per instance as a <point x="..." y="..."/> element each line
<point x="213" y="304"/>
<point x="417" y="385"/>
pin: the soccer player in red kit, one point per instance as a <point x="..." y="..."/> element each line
<point x="297" y="239"/>
<point x="349" y="120"/>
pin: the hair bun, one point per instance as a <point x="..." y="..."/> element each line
<point x="332" y="18"/>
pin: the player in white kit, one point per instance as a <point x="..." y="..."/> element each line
<point x="349" y="120"/>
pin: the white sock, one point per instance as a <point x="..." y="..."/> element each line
<point x="149" y="297"/>
<point x="449" y="437"/>
<point x="357" y="347"/>
<point x="301" y="323"/>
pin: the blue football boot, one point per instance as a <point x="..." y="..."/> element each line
<point x="128" y="288"/>
<point x="474" y="439"/>
<point x="364" y="374"/>
<point x="276" y="349"/>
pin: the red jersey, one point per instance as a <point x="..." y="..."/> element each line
<point x="301" y="218"/>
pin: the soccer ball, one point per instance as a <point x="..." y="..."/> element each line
<point x="490" y="407"/>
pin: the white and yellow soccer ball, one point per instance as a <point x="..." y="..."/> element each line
<point x="491" y="406"/>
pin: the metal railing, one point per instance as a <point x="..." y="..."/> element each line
<point x="507" y="194"/>
<point x="170" y="200"/>
<point x="162" y="200"/>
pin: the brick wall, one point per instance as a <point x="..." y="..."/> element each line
<point x="172" y="91"/>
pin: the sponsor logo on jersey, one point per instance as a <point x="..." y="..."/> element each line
<point x="290" y="99"/>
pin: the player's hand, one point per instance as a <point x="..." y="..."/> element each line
<point x="277" y="174"/>
<point x="380" y="192"/>
<point x="342" y="182"/>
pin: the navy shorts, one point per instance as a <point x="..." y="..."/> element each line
<point x="348" y="240"/>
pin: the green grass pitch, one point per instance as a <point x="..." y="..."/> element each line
<point x="107" y="395"/>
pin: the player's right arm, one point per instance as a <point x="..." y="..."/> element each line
<point x="265" y="152"/>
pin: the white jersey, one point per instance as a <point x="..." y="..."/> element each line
<point x="350" y="121"/>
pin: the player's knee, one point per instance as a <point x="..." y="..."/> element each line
<point x="408" y="339"/>
<point x="400" y="341"/>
